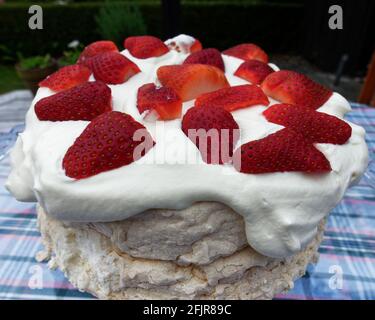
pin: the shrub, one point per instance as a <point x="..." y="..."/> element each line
<point x="71" y="55"/>
<point x="220" y="24"/>
<point x="116" y="21"/>
<point x="35" y="62"/>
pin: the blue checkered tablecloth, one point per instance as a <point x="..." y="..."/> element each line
<point x="346" y="268"/>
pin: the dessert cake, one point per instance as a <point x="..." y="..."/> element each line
<point x="170" y="171"/>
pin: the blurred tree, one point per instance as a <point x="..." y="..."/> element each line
<point x="116" y="22"/>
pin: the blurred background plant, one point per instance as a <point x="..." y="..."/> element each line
<point x="6" y="54"/>
<point x="116" y="22"/>
<point x="71" y="55"/>
<point x="31" y="70"/>
<point x="36" y="62"/>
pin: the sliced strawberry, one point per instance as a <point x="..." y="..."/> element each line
<point x="66" y="77"/>
<point x="164" y="101"/>
<point x="94" y="49"/>
<point x="83" y="102"/>
<point x="315" y="126"/>
<point x="218" y="129"/>
<point x="253" y="71"/>
<point x="285" y="150"/>
<point x="233" y="98"/>
<point x="113" y="68"/>
<point x="196" y="46"/>
<point x="107" y="143"/>
<point x="191" y="80"/>
<point x="143" y="47"/>
<point x="247" y="51"/>
<point x="295" y="88"/>
<point x="209" y="56"/>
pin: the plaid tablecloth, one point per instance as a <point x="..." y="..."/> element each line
<point x="346" y="268"/>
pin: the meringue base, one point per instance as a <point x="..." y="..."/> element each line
<point x="94" y="263"/>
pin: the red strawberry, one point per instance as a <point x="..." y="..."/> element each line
<point x="285" y="150"/>
<point x="220" y="141"/>
<point x="253" y="71"/>
<point x="83" y="102"/>
<point x="295" y="88"/>
<point x="66" y="77"/>
<point x="233" y="98"/>
<point x="94" y="49"/>
<point x="164" y="101"/>
<point x="315" y="126"/>
<point x="113" y="68"/>
<point x="247" y="51"/>
<point x="107" y="143"/>
<point x="196" y="46"/>
<point x="191" y="80"/>
<point x="144" y="47"/>
<point x="209" y="56"/>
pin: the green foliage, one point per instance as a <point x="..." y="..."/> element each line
<point x="71" y="55"/>
<point x="9" y="79"/>
<point x="61" y="25"/>
<point x="40" y="62"/>
<point x="276" y="27"/>
<point x="116" y="21"/>
<point x="6" y="55"/>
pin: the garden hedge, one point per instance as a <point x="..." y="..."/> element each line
<point x="276" y="27"/>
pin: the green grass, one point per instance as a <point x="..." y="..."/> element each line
<point x="9" y="79"/>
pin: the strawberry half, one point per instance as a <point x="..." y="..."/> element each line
<point x="196" y="46"/>
<point x="107" y="143"/>
<point x="164" y="101"/>
<point x="191" y="80"/>
<point x="143" y="47"/>
<point x="295" y="88"/>
<point x="233" y="98"/>
<point x="253" y="71"/>
<point x="285" y="150"/>
<point x="94" y="49"/>
<point x="208" y="56"/>
<point x="247" y="51"/>
<point x="218" y="148"/>
<point x="113" y="68"/>
<point x="66" y="77"/>
<point x="315" y="126"/>
<point x="83" y="102"/>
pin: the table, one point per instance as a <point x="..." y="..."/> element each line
<point x="346" y="268"/>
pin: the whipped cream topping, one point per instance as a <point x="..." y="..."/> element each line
<point x="181" y="43"/>
<point x="281" y="210"/>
